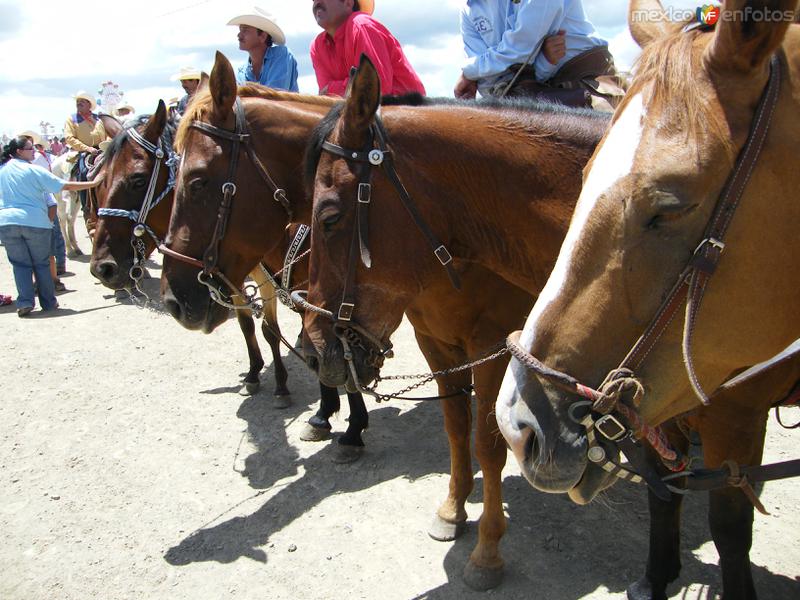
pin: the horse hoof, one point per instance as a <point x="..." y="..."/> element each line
<point x="643" y="590"/>
<point x="250" y="388"/>
<point x="281" y="401"/>
<point x="314" y="434"/>
<point x="482" y="578"/>
<point x="445" y="531"/>
<point x="346" y="454"/>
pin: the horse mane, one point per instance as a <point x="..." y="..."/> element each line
<point x="201" y="104"/>
<point x="167" y="136"/>
<point x="520" y="115"/>
<point x="669" y="66"/>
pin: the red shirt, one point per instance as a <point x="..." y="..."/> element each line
<point x="333" y="57"/>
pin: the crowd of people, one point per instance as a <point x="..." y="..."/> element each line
<point x="545" y="49"/>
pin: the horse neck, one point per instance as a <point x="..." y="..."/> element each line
<point x="500" y="194"/>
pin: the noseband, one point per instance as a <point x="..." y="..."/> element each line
<point x="208" y="265"/>
<point x="618" y="423"/>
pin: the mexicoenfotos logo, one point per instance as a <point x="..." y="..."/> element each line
<point x="708" y="14"/>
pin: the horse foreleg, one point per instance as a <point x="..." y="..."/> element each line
<point x="67" y="213"/>
<point x="663" y="559"/>
<point x="731" y="432"/>
<point x="272" y="333"/>
<point x="248" y="327"/>
<point x="319" y="427"/>
<point x="485" y="567"/>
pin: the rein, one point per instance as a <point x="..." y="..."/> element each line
<point x="616" y="418"/>
<point x="239" y="138"/>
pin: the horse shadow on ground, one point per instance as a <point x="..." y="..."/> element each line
<point x="601" y="544"/>
<point x="604" y="543"/>
<point x="394" y="448"/>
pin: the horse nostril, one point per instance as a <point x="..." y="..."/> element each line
<point x="532" y="447"/>
<point x="107" y="270"/>
<point x="313" y="363"/>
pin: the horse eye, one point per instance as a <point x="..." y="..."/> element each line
<point x="137" y="182"/>
<point x="329" y="221"/>
<point x="197" y="185"/>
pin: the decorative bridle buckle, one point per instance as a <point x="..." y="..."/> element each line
<point x="443" y="255"/>
<point x="364" y="193"/>
<point x="610" y="427"/>
<point x="346" y="311"/>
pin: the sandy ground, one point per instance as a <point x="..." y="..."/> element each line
<point x="132" y="468"/>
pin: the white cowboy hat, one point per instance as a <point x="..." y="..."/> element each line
<point x="86" y="96"/>
<point x="124" y="106"/>
<point x="367" y="6"/>
<point x="261" y="19"/>
<point x="37" y="139"/>
<point x="186" y="73"/>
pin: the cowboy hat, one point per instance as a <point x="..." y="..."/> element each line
<point x="261" y="19"/>
<point x="186" y="73"/>
<point x="367" y="6"/>
<point x="124" y="106"/>
<point x="86" y="96"/>
<point x="35" y="137"/>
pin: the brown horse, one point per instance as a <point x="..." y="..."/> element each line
<point x="128" y="167"/>
<point x="258" y="221"/>
<point x="497" y="187"/>
<point x="650" y="192"/>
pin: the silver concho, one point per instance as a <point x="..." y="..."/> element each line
<point x="596" y="454"/>
<point x="375" y="157"/>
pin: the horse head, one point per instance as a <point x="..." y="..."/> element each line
<point x="128" y="165"/>
<point x="359" y="228"/>
<point x="648" y="195"/>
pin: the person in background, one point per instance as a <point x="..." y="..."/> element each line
<point x="26" y="215"/>
<point x="190" y="81"/>
<point x="56" y="147"/>
<point x="270" y="63"/>
<point x="539" y="46"/>
<point x="83" y="132"/>
<point x="349" y="31"/>
<point x="58" y="247"/>
<point x="125" y="112"/>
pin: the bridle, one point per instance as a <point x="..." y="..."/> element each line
<point x="161" y="153"/>
<point x="618" y="423"/>
<point x="375" y="154"/>
<point x="240" y="138"/>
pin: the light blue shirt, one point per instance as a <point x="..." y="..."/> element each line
<point x="25" y="194"/>
<point x="279" y="70"/>
<point x="500" y="33"/>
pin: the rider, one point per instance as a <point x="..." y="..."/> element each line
<point x="83" y="132"/>
<point x="190" y="81"/>
<point x="543" y="47"/>
<point x="271" y="63"/>
<point x="349" y="31"/>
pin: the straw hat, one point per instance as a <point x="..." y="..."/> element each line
<point x="261" y="19"/>
<point x="186" y="73"/>
<point x="37" y="139"/>
<point x="367" y="6"/>
<point x="86" y="96"/>
<point x="124" y="106"/>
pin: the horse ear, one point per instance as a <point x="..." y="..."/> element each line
<point x="223" y="86"/>
<point x="363" y="97"/>
<point x="748" y="33"/>
<point x="646" y="21"/>
<point x="156" y="123"/>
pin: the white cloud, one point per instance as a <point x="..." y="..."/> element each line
<point x="139" y="45"/>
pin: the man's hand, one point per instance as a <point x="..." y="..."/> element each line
<point x="554" y="47"/>
<point x="94" y="151"/>
<point x="465" y="88"/>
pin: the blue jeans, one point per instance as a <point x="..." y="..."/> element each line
<point x="28" y="250"/>
<point x="58" y="247"/>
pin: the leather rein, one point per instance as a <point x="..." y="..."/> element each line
<point x="618" y="423"/>
<point x="240" y="138"/>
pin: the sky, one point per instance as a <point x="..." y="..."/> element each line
<point x="51" y="49"/>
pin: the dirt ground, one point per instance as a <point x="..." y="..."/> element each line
<point x="132" y="468"/>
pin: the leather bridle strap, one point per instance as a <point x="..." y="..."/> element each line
<point x="693" y="280"/>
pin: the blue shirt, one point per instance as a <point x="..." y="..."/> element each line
<point x="500" y="33"/>
<point x="25" y="194"/>
<point x="278" y="71"/>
